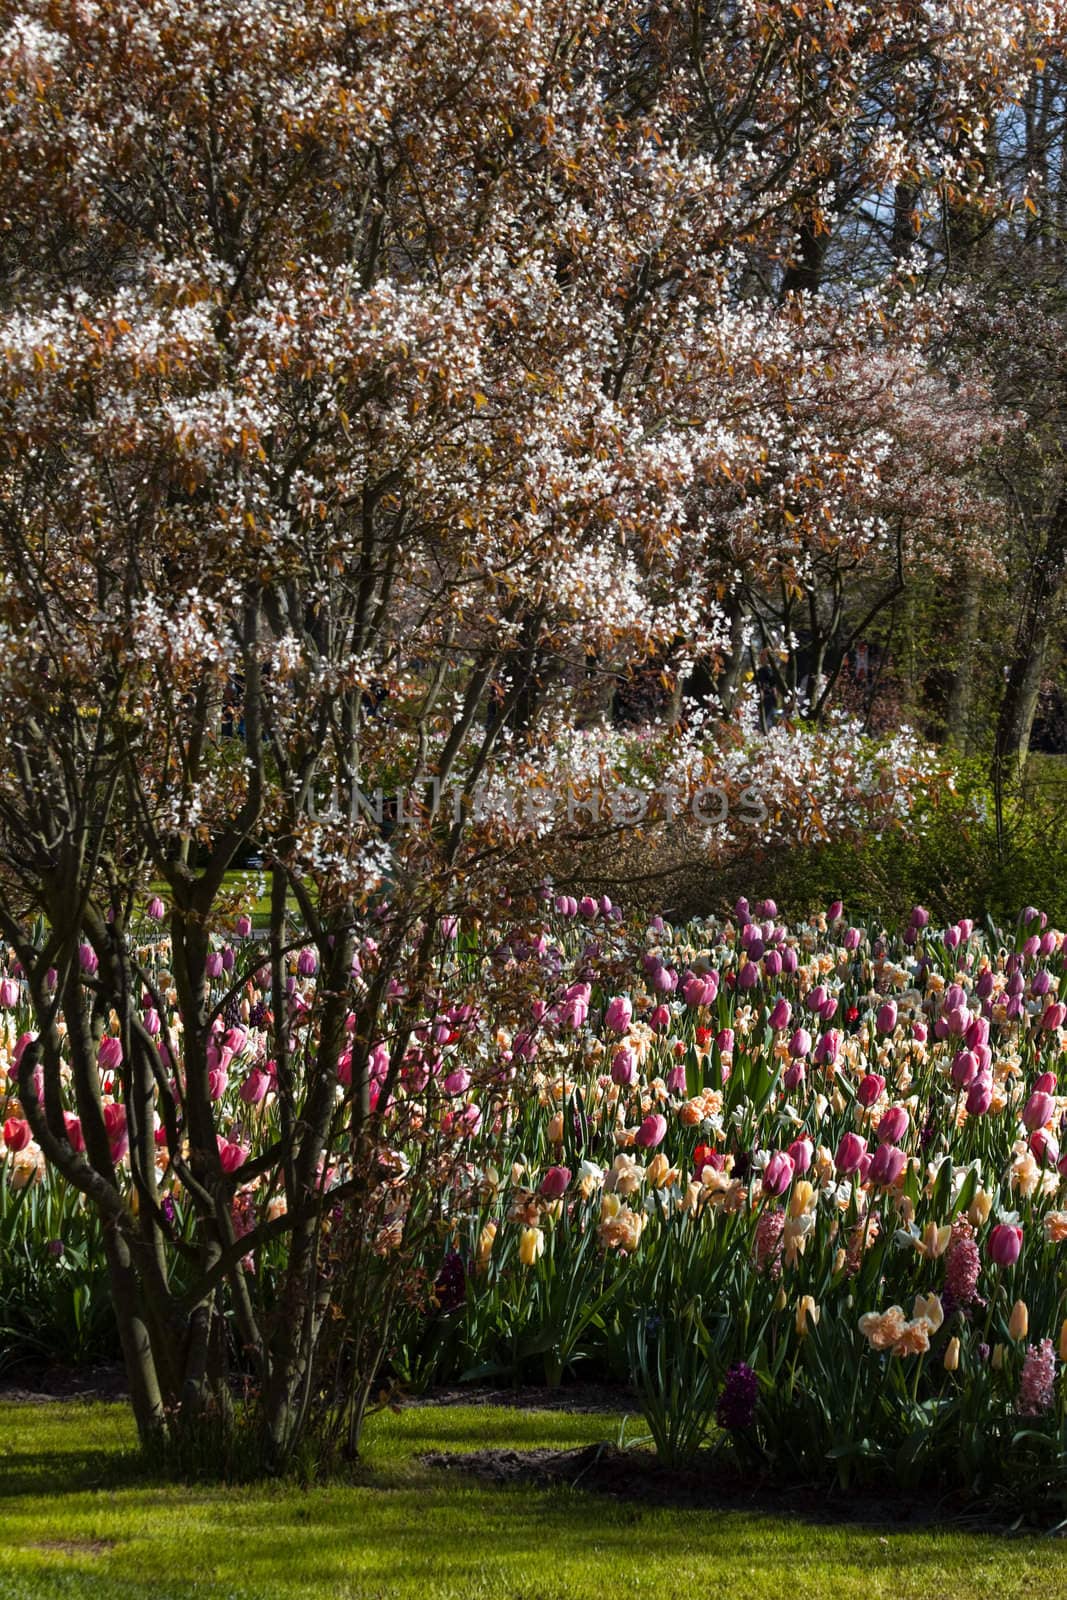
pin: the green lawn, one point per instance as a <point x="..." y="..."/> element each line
<point x="77" y="1519"/>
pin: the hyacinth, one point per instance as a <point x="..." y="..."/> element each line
<point x="962" y="1265"/>
<point x="1037" y="1383"/>
<point x="737" y="1403"/>
<point x="767" y="1247"/>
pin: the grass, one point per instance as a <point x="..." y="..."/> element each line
<point x="80" y="1520"/>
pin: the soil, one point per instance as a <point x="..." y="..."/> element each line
<point x="590" y="1399"/>
<point x="636" y="1475"/>
<point x="50" y="1384"/>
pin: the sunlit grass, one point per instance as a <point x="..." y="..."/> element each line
<point x="78" y="1517"/>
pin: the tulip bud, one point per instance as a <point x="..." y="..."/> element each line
<point x="886" y="1020"/>
<point x="531" y="1246"/>
<point x="554" y="1183"/>
<point x="778" y="1173"/>
<point x="808" y="1313"/>
<point x="780" y="1015"/>
<point x="850" y="1153"/>
<point x="1019" y="1321"/>
<point x="952" y="1355"/>
<point x="1004" y="1244"/>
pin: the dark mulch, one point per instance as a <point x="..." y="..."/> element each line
<point x="637" y="1475"/>
<point x="589" y="1399"/>
<point x="41" y="1386"/>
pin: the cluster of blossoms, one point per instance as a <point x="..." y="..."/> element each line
<point x="836" y="1124"/>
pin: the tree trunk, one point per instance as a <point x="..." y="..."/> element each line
<point x="961" y="688"/>
<point x="1024" y="673"/>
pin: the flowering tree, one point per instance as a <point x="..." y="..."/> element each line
<point x="368" y="378"/>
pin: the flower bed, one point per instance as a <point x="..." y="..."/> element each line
<point x="801" y="1187"/>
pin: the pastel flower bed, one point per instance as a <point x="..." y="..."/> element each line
<point x="802" y="1187"/>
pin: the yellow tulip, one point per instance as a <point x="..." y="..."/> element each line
<point x="531" y="1246"/>
<point x="485" y="1244"/>
<point x="1019" y="1321"/>
<point x="802" y="1198"/>
<point x="998" y="1357"/>
<point x="807" y="1312"/>
<point x="952" y="1355"/>
<point x="1063" y="1340"/>
<point x="979" y="1209"/>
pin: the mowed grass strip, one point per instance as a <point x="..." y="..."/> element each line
<point x="79" y="1518"/>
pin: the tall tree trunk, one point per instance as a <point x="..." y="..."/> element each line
<point x="961" y="688"/>
<point x="1045" y="586"/>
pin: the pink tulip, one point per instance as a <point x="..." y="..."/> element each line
<point x="1038" y="1110"/>
<point x="887" y="1164"/>
<point x="458" y="1081"/>
<point x="870" y="1088"/>
<point x="802" y="1153"/>
<point x="231" y="1156"/>
<point x="827" y="1048"/>
<point x="115" y="1127"/>
<point x="254" y="1088"/>
<point x="850" y="1153"/>
<point x="1004" y="1244"/>
<point x="9" y="993"/>
<point x="892" y="1125"/>
<point x="886" y="1019"/>
<point x="778" y="1173"/>
<point x="800" y="1044"/>
<point x="979" y="1097"/>
<point x="619" y="1014"/>
<point x="659" y="1018"/>
<point x="780" y="1016"/>
<point x="243" y="926"/>
<point x="793" y="1076"/>
<point x="1045" y="1146"/>
<point x="554" y="1183"/>
<point x="747" y="975"/>
<point x="651" y="1132"/>
<point x="16" y="1133"/>
<point x="701" y="991"/>
<point x="109" y="1055"/>
<point x="156" y="909"/>
<point x="213" y="964"/>
<point x="75" y="1137"/>
<point x="964" y="1069"/>
<point x="1053" y="1016"/>
<point x="1046" y="1083"/>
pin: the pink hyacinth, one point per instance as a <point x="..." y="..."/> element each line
<point x="962" y="1264"/>
<point x="1037" y="1384"/>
